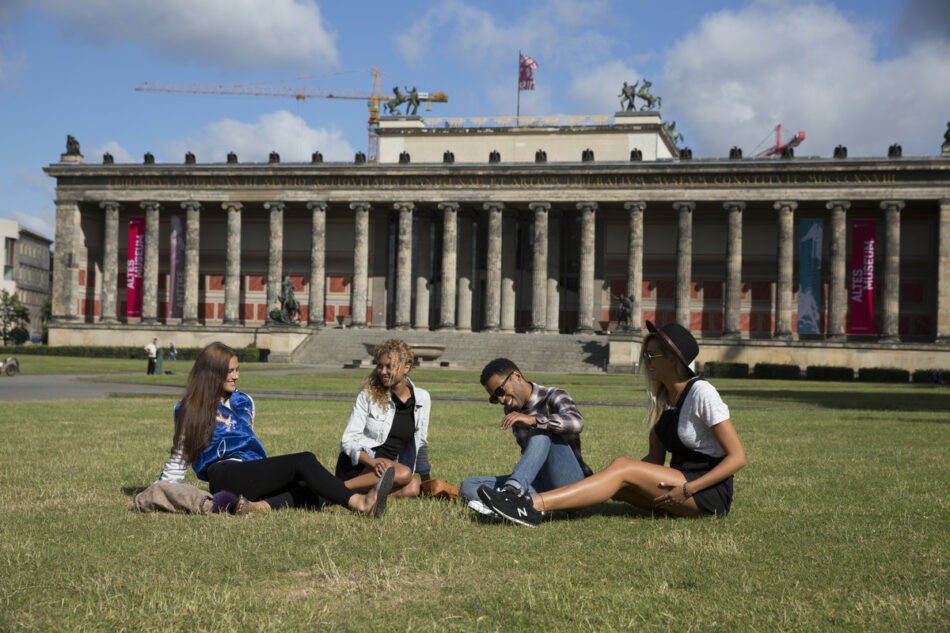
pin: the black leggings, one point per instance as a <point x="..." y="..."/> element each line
<point x="296" y="480"/>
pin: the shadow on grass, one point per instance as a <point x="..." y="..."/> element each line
<point x="131" y="491"/>
<point x="863" y="400"/>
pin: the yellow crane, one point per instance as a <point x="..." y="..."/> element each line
<point x="301" y="93"/>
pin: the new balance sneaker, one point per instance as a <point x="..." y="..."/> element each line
<point x="517" y="509"/>
<point x="481" y="508"/>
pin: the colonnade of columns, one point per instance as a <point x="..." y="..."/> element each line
<point x="457" y="276"/>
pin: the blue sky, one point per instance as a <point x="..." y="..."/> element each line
<point x="864" y="73"/>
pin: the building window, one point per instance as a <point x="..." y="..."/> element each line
<point x="8" y="250"/>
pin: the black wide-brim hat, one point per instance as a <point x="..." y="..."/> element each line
<point x="678" y="340"/>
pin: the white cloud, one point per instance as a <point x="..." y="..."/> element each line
<point x="36" y="180"/>
<point x="40" y="221"/>
<point x="280" y="131"/>
<point x="119" y="153"/>
<point x="596" y="90"/>
<point x="807" y="67"/>
<point x="231" y="33"/>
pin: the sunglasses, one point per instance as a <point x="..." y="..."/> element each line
<point x="500" y="390"/>
<point x="649" y="358"/>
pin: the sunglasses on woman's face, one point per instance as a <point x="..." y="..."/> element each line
<point x="650" y="357"/>
<point x="500" y="390"/>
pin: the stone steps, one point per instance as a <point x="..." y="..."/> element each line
<point x="463" y="350"/>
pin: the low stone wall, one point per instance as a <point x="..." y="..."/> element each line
<point x="281" y="341"/>
<point x="625" y="350"/>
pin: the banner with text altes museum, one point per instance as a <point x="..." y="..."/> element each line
<point x="861" y="308"/>
<point x="133" y="269"/>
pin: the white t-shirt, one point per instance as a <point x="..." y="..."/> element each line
<point x="152" y="350"/>
<point x="702" y="410"/>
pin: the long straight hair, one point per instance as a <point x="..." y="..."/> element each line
<point x="656" y="389"/>
<point x="400" y="354"/>
<point x="194" y="424"/>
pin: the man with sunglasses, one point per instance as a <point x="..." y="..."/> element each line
<point x="546" y="424"/>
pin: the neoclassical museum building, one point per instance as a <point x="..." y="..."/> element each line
<point x="547" y="227"/>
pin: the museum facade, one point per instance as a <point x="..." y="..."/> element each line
<point x="536" y="229"/>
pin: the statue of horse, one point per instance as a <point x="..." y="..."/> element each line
<point x="392" y="105"/>
<point x="676" y="137"/>
<point x="645" y="94"/>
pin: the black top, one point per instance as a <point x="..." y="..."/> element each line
<point x="404" y="426"/>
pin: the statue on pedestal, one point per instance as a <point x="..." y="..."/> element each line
<point x="645" y="94"/>
<point x="289" y="311"/>
<point x="72" y="146"/>
<point x="624" y="312"/>
<point x="627" y="94"/>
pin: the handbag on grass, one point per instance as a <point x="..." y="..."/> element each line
<point x="438" y="489"/>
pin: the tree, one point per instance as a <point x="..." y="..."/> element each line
<point x="14" y="317"/>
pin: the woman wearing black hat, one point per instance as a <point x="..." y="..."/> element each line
<point x="687" y="418"/>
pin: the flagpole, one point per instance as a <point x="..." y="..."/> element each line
<point x="518" y="112"/>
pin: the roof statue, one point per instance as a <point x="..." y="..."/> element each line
<point x="627" y="94"/>
<point x="392" y="105"/>
<point x="413" y="101"/>
<point x="72" y="146"/>
<point x="645" y="94"/>
<point x="676" y="137"/>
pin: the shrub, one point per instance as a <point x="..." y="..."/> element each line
<point x="828" y="372"/>
<point x="716" y="369"/>
<point x="776" y="371"/>
<point x="927" y="375"/>
<point x="883" y="374"/>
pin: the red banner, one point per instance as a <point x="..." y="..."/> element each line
<point x="861" y="310"/>
<point x="133" y="267"/>
<point x="526" y="68"/>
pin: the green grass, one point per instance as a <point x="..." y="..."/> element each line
<point x="77" y="365"/>
<point x="841" y="523"/>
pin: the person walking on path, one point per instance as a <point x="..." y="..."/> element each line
<point x="152" y="350"/>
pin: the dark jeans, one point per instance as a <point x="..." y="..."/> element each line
<point x="296" y="480"/>
<point x="151" y="366"/>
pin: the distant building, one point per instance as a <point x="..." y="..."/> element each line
<point x="482" y="225"/>
<point x="26" y="272"/>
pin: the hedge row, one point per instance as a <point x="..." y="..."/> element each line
<point x="927" y="375"/>
<point x="776" y="371"/>
<point x="245" y="354"/>
<point x="715" y="369"/>
<point x="829" y="373"/>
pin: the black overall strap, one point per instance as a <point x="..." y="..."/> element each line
<point x="683" y="458"/>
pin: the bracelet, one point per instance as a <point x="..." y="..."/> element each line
<point x="686" y="493"/>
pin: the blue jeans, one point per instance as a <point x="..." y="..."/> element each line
<point x="547" y="463"/>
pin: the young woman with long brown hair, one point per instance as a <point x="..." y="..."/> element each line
<point x="388" y="427"/>
<point x="687" y="418"/>
<point x="214" y="433"/>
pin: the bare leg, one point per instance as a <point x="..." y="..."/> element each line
<point x="403" y="485"/>
<point x="626" y="479"/>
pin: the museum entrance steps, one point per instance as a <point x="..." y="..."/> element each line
<point x="560" y="353"/>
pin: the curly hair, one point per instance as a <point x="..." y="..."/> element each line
<point x="400" y="354"/>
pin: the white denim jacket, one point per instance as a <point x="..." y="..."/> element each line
<point x="370" y="423"/>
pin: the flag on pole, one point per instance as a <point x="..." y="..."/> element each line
<point x="526" y="74"/>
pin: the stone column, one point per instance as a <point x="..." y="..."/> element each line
<point x="509" y="299"/>
<point x="404" y="264"/>
<point x="552" y="311"/>
<point x="232" y="266"/>
<point x="635" y="262"/>
<point x="539" y="276"/>
<point x="838" y="294"/>
<point x="189" y="311"/>
<point x="463" y="306"/>
<point x="943" y="273"/>
<point x="892" y="268"/>
<point x="493" y="267"/>
<point x="684" y="261"/>
<point x="585" y="292"/>
<point x="150" y="263"/>
<point x="316" y="313"/>
<point x="66" y="262"/>
<point x="275" y="254"/>
<point x="786" y="257"/>
<point x="450" y="212"/>
<point x="733" y="294"/>
<point x="360" y="263"/>
<point x="423" y="265"/>
<point x="110" y="261"/>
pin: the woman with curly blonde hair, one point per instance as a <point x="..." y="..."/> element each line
<point x="388" y="426"/>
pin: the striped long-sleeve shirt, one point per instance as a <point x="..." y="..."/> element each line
<point x="555" y="412"/>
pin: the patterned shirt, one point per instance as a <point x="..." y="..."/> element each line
<point x="555" y="412"/>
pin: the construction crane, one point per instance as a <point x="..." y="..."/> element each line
<point x="776" y="150"/>
<point x="299" y="93"/>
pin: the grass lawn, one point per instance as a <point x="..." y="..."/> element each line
<point x="81" y="365"/>
<point x="841" y="523"/>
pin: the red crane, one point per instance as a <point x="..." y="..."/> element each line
<point x="776" y="150"/>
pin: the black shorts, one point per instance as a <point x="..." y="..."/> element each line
<point x="715" y="500"/>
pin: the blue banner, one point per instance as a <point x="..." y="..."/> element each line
<point x="809" y="276"/>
